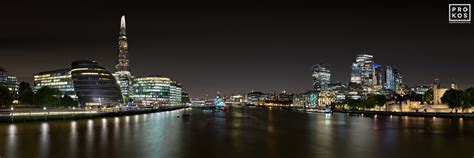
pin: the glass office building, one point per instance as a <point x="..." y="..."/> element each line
<point x="124" y="80"/>
<point x="94" y="85"/>
<point x="156" y="91"/>
<point x="60" y="79"/>
<point x="9" y="81"/>
<point x="321" y="77"/>
<point x="363" y="73"/>
<point x="86" y="81"/>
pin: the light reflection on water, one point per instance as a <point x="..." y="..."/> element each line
<point x="241" y="133"/>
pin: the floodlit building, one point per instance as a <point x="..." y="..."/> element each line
<point x="420" y="89"/>
<point x="308" y="99"/>
<point x="438" y="92"/>
<point x="454" y="85"/>
<point x="156" y="91"/>
<point x="9" y="81"/>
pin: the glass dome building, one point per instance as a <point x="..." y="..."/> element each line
<point x="94" y="85"/>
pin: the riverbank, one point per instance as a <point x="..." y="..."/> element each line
<point x="412" y="114"/>
<point x="33" y="116"/>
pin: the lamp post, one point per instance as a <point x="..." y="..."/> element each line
<point x="44" y="109"/>
<point x="12" y="112"/>
<point x="73" y="112"/>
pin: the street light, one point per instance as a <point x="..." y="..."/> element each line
<point x="44" y="109"/>
<point x="12" y="112"/>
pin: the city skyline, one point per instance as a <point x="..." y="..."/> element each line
<point x="237" y="50"/>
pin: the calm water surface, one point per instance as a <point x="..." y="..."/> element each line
<point x="241" y="133"/>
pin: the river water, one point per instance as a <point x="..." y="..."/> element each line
<point x="241" y="133"/>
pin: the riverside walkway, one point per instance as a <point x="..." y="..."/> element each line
<point x="31" y="115"/>
<point x="415" y="114"/>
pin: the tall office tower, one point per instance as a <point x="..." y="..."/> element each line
<point x="379" y="75"/>
<point x="122" y="74"/>
<point x="389" y="78"/>
<point x="321" y="77"/>
<point x="399" y="85"/>
<point x="356" y="74"/>
<point x="363" y="72"/>
<point x="122" y="61"/>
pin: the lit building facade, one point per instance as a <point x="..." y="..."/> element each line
<point x="389" y="78"/>
<point x="87" y="82"/>
<point x="156" y="91"/>
<point x="122" y="75"/>
<point x="438" y="92"/>
<point x="420" y="89"/>
<point x="60" y="79"/>
<point x="124" y="80"/>
<point x="9" y="81"/>
<point x="308" y="99"/>
<point x="253" y="97"/>
<point x="94" y="85"/>
<point x="321" y="77"/>
<point x="339" y="90"/>
<point x="363" y="73"/>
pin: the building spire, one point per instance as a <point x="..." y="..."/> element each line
<point x="122" y="26"/>
<point x="122" y="61"/>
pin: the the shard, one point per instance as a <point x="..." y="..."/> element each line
<point x="122" y="61"/>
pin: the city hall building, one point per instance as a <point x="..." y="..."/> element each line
<point x="88" y="82"/>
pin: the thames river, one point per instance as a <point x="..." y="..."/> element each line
<point x="241" y="133"/>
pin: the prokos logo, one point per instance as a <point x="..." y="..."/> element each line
<point x="459" y="13"/>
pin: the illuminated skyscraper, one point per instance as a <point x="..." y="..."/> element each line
<point x="321" y="77"/>
<point x="122" y="74"/>
<point x="389" y="78"/>
<point x="363" y="73"/>
<point x="122" y="61"/>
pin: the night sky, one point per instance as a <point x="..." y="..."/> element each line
<point x="239" y="46"/>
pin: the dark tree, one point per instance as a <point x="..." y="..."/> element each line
<point x="468" y="98"/>
<point x="380" y="100"/>
<point x="428" y="97"/>
<point x="185" y="100"/>
<point x="67" y="101"/>
<point x="454" y="98"/>
<point x="369" y="103"/>
<point x="27" y="96"/>
<point x="6" y="98"/>
<point x="412" y="96"/>
<point x="24" y="86"/>
<point x="46" y="96"/>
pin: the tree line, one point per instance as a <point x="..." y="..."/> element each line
<point x="44" y="97"/>
<point x="459" y="99"/>
<point x="454" y="98"/>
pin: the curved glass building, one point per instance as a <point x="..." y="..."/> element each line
<point x="94" y="85"/>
